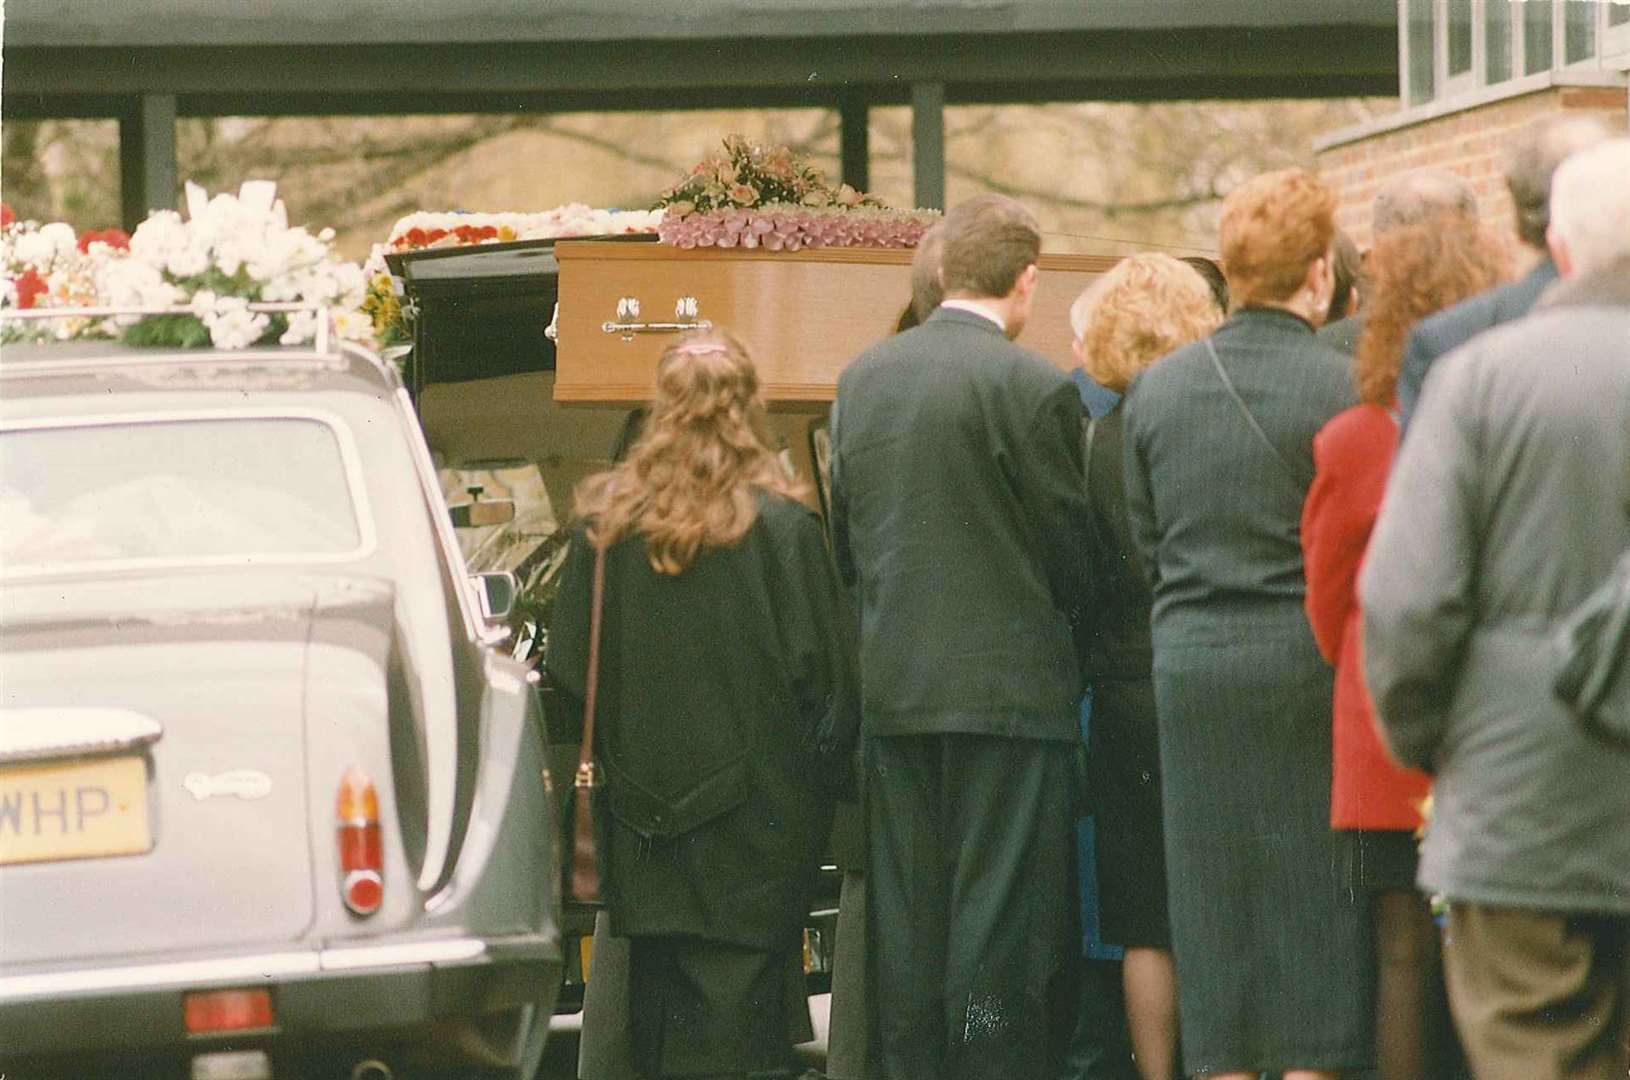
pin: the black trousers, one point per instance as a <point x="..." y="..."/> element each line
<point x="971" y="881"/>
<point x="706" y="1010"/>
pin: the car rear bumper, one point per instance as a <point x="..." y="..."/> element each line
<point x="317" y="995"/>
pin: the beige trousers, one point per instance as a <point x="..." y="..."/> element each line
<point x="1540" y="995"/>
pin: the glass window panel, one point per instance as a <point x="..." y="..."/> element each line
<point x="1536" y="36"/>
<point x="1421" y="37"/>
<point x="1497" y="41"/>
<point x="190" y="489"/>
<point x="1460" y="37"/>
<point x="1579" y="36"/>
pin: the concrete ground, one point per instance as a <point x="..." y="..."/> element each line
<point x="560" y="1060"/>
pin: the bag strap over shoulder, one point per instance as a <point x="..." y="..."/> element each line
<point x="1290" y="472"/>
<point x="583" y="869"/>
<point x="591" y="684"/>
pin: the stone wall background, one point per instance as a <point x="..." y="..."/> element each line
<point x="1103" y="177"/>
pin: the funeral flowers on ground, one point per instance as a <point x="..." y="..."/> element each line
<point x="226" y="253"/>
<point x="756" y="196"/>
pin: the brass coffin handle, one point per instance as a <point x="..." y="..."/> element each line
<point x="628" y="312"/>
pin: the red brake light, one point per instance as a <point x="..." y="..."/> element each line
<point x="208" y="1011"/>
<point x="362" y="859"/>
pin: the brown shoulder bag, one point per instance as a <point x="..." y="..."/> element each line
<point x="583" y="880"/>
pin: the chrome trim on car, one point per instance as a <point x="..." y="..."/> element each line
<point x="441" y="773"/>
<point x="260" y="967"/>
<point x="452" y="951"/>
<point x="367" y="533"/>
<point x="43" y="733"/>
<point x="234" y="969"/>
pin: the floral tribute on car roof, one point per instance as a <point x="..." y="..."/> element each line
<point x="227" y="252"/>
<point x="430" y="230"/>
<point x="754" y="196"/>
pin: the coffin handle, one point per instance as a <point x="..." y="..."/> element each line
<point x="628" y="311"/>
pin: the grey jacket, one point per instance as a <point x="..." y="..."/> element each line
<point x="1508" y="504"/>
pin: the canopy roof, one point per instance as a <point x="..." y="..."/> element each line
<point x="127" y="23"/>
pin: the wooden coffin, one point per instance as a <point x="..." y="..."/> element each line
<point x="803" y="315"/>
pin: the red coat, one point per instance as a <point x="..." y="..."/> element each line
<point x="1352" y="456"/>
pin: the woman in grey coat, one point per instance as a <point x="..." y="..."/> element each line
<point x="1270" y="943"/>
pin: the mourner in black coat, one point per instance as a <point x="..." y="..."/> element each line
<point x="960" y="514"/>
<point x="727" y="715"/>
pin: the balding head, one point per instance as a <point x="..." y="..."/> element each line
<point x="1419" y="196"/>
<point x="1532" y="162"/>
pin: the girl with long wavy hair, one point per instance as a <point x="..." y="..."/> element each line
<point x="1376" y="805"/>
<point x="728" y="708"/>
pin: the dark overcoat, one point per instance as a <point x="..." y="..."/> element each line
<point x="959" y="511"/>
<point x="728" y="712"/>
<point x="1442" y="332"/>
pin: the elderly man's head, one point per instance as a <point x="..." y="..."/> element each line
<point x="1590" y="208"/>
<point x="1533" y="161"/>
<point x="1419" y="196"/>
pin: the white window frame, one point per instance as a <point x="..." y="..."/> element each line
<point x="1559" y="36"/>
<point x="1612" y="42"/>
<point x="1480" y="50"/>
<point x="1444" y="85"/>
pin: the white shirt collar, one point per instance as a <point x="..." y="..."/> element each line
<point x="977" y="307"/>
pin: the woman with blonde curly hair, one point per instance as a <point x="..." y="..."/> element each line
<point x="1375" y="804"/>
<point x="727" y="704"/>
<point x="1139" y="311"/>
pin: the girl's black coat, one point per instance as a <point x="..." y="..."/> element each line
<point x="727" y="715"/>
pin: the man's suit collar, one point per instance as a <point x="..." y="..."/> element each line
<point x="966" y="318"/>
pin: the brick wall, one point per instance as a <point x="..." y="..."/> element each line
<point x="1471" y="141"/>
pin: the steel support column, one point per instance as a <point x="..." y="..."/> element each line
<point x="147" y="163"/>
<point x="855" y="153"/>
<point x="928" y="144"/>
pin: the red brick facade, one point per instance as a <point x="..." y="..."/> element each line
<point x="1470" y="141"/>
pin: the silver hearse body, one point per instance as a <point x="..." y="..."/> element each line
<point x="266" y="787"/>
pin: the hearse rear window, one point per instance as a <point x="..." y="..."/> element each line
<point x="221" y="491"/>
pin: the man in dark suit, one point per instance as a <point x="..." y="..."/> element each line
<point x="1407" y="199"/>
<point x="1533" y="160"/>
<point x="959" y="513"/>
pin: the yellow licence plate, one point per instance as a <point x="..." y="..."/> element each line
<point x="73" y="810"/>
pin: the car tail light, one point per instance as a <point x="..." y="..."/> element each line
<point x="209" y="1011"/>
<point x="362" y="860"/>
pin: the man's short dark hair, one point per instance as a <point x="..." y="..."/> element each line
<point x="989" y="240"/>
<point x="1533" y="159"/>
<point x="1347" y="267"/>
<point x="926" y="290"/>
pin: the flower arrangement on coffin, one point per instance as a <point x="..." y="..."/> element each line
<point x="228" y="252"/>
<point x="755" y="196"/>
<point x="424" y="229"/>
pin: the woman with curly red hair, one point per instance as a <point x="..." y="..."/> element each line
<point x="1416" y="270"/>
